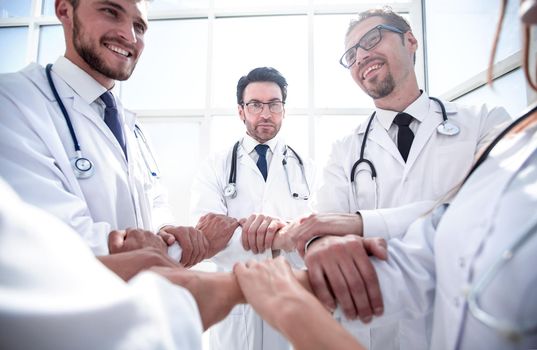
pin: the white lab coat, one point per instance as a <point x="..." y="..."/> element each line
<point x="436" y="163"/>
<point x="55" y="295"/>
<point x="435" y="264"/>
<point x="243" y="328"/>
<point x="35" y="153"/>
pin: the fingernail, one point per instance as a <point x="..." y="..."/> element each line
<point x="366" y="319"/>
<point x="378" y="311"/>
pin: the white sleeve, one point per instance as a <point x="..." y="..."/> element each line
<point x="30" y="168"/>
<point x="391" y="223"/>
<point x="493" y="121"/>
<point x="333" y="193"/>
<point x="56" y="295"/>
<point x="408" y="278"/>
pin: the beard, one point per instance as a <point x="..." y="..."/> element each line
<point x="383" y="88"/>
<point x="88" y="52"/>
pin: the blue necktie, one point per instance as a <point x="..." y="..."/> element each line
<point x="405" y="136"/>
<point x="111" y="118"/>
<point x="262" y="161"/>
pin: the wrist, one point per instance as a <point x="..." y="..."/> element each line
<point x="358" y="224"/>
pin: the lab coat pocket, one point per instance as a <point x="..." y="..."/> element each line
<point x="451" y="164"/>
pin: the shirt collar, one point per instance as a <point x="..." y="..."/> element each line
<point x="249" y="143"/>
<point x="417" y="109"/>
<point x="78" y="80"/>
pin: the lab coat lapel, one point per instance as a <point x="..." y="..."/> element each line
<point x="275" y="164"/>
<point x="82" y="107"/>
<point x="244" y="160"/>
<point x="378" y="135"/>
<point x="425" y="131"/>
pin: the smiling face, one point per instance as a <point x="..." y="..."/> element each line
<point x="265" y="125"/>
<point x="386" y="68"/>
<point x="104" y="37"/>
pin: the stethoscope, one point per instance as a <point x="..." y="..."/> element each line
<point x="83" y="168"/>
<point x="230" y="190"/>
<point x="506" y="327"/>
<point x="445" y="128"/>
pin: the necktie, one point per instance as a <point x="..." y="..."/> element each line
<point x="262" y="161"/>
<point x="111" y="118"/>
<point x="405" y="136"/>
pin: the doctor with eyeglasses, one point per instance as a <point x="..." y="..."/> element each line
<point x="260" y="174"/>
<point x="410" y="152"/>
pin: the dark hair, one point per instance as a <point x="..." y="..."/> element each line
<point x="261" y="74"/>
<point x="386" y="13"/>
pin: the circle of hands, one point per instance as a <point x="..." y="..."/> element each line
<point x="338" y="260"/>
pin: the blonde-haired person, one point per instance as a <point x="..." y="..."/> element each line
<point x="470" y="263"/>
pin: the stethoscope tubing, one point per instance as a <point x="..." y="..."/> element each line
<point x="362" y="159"/>
<point x="62" y="108"/>
<point x="230" y="189"/>
<point x="80" y="173"/>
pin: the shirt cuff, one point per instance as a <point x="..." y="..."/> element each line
<point x="374" y="224"/>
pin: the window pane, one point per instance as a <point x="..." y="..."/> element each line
<point x="224" y="132"/>
<point x="241" y="44"/>
<point x="258" y="3"/>
<point x="451" y="65"/>
<point x="51" y="44"/>
<point x="175" y="147"/>
<point x="171" y="72"/>
<point x="334" y="86"/>
<point x="502" y="93"/>
<point x="329" y="129"/>
<point x="167" y="5"/>
<point x="295" y="131"/>
<point x="47" y="8"/>
<point x="13" y="43"/>
<point x="380" y="3"/>
<point x="15" y="8"/>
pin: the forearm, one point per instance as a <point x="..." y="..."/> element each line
<point x="318" y="330"/>
<point x="128" y="264"/>
<point x="216" y="293"/>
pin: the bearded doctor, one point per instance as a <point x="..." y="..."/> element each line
<point x="410" y="152"/>
<point x="68" y="146"/>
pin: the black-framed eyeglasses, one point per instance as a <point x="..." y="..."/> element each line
<point x="368" y="41"/>
<point x="256" y="107"/>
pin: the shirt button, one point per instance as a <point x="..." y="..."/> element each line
<point x="462" y="262"/>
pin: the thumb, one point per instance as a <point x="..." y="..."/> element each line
<point x="377" y="247"/>
<point x="116" y="239"/>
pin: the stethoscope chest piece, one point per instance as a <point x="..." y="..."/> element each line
<point x="82" y="167"/>
<point x="447" y="128"/>
<point x="230" y="190"/>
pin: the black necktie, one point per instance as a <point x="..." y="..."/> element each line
<point x="405" y="136"/>
<point x="111" y="118"/>
<point x="262" y="161"/>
